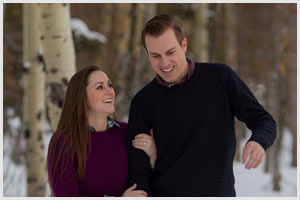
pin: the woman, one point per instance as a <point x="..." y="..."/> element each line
<point x="87" y="153"/>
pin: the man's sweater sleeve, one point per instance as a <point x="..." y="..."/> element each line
<point x="139" y="165"/>
<point x="247" y="109"/>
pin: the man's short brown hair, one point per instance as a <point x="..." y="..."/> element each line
<point x="157" y="26"/>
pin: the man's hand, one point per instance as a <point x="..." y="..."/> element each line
<point x="254" y="154"/>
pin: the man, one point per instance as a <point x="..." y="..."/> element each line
<point x="191" y="108"/>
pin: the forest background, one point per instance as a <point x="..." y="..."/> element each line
<point x="259" y="41"/>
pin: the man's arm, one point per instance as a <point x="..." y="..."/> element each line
<point x="247" y="109"/>
<point x="139" y="165"/>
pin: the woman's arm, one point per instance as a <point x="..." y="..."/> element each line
<point x="63" y="181"/>
<point x="146" y="143"/>
<point x="62" y="171"/>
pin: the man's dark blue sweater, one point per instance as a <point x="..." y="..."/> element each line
<point x="194" y="132"/>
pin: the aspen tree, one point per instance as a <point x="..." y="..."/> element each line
<point x="57" y="42"/>
<point x="34" y="103"/>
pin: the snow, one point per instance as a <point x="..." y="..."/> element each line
<point x="14" y="121"/>
<point x="27" y="65"/>
<point x="10" y="112"/>
<point x="257" y="183"/>
<point x="81" y="30"/>
<point x="14" y="176"/>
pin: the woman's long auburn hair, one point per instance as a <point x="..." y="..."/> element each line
<point x="71" y="140"/>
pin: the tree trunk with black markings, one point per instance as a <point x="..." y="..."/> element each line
<point x="34" y="103"/>
<point x="57" y="42"/>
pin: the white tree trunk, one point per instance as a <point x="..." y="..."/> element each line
<point x="34" y="103"/>
<point x="57" y="42"/>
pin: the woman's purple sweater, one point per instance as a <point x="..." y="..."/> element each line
<point x="106" y="167"/>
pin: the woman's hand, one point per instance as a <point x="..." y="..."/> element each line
<point x="146" y="143"/>
<point x="131" y="192"/>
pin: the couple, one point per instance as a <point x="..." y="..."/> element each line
<point x="189" y="106"/>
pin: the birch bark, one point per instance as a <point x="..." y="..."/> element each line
<point x="57" y="42"/>
<point x="34" y="103"/>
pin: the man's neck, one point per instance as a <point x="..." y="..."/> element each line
<point x="186" y="69"/>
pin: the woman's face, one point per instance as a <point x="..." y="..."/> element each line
<point x="100" y="94"/>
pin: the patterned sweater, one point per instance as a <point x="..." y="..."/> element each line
<point x="194" y="132"/>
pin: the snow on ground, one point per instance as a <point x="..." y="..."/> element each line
<point x="249" y="183"/>
<point x="14" y="176"/>
<point x="257" y="183"/>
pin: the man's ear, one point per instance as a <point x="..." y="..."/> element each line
<point x="184" y="44"/>
<point x="145" y="50"/>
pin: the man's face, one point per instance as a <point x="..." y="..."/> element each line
<point x="167" y="56"/>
